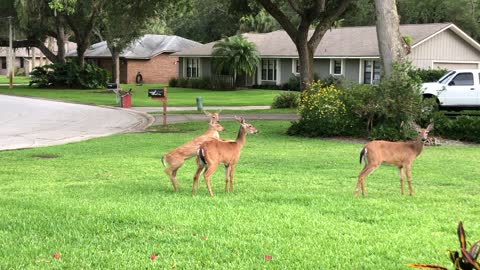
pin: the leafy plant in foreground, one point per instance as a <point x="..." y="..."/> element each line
<point x="463" y="260"/>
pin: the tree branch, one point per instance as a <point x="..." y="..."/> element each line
<point x="295" y="7"/>
<point x="281" y="18"/>
<point x="326" y="23"/>
<point x="27" y="43"/>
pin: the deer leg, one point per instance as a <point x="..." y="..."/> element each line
<point x="208" y="172"/>
<point x="409" y="179"/>
<point x="231" y="178"/>
<point x="400" y="172"/>
<point x="227" y="173"/>
<point x="361" y="177"/>
<point x="171" y="174"/>
<point x="200" y="167"/>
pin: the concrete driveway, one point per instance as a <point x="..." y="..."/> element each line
<point x="29" y="122"/>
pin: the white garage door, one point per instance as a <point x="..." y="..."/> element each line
<point x="449" y="66"/>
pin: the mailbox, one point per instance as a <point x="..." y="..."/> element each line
<point x="156" y="93"/>
<point x="111" y="86"/>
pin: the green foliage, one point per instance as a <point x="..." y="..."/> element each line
<point x="286" y="100"/>
<point x="293" y="84"/>
<point x="323" y="111"/>
<point x="379" y="111"/>
<point x="215" y="83"/>
<point x="69" y="75"/>
<point x="173" y="82"/>
<point x="427" y="75"/>
<point x="465" y="128"/>
<point x="236" y="55"/>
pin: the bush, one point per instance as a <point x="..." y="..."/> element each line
<point x="69" y="75"/>
<point x="323" y="112"/>
<point x="293" y="84"/>
<point x="379" y="112"/>
<point x="427" y="75"/>
<point x="286" y="100"/>
<point x="173" y="82"/>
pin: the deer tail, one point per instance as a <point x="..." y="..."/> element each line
<point x="362" y="154"/>
<point x="163" y="161"/>
<point x="201" y="155"/>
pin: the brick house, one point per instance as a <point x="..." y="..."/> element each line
<point x="149" y="55"/>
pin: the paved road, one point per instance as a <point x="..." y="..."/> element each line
<point x="28" y="122"/>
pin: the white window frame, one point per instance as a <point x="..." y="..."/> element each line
<point x="362" y="70"/>
<point x="275" y="70"/>
<point x="194" y="60"/>
<point x="332" y="67"/>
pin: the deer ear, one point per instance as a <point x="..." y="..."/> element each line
<point x="415" y="126"/>
<point x="240" y="119"/>
<point x="207" y="113"/>
<point x="430" y="127"/>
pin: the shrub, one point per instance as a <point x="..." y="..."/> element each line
<point x="427" y="75"/>
<point x="182" y="82"/>
<point x="286" y="100"/>
<point x="173" y="82"/>
<point x="70" y="75"/>
<point x="293" y="84"/>
<point x="323" y="112"/>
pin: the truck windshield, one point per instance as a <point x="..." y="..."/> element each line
<point x="446" y="77"/>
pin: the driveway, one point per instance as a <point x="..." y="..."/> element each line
<point x="29" y="122"/>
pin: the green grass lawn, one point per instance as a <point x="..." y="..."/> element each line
<point x="176" y="96"/>
<point x="16" y="79"/>
<point x="106" y="204"/>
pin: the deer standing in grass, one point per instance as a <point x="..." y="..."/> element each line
<point x="174" y="159"/>
<point x="400" y="154"/>
<point x="214" y="152"/>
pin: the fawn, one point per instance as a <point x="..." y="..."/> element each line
<point x="174" y="159"/>
<point x="214" y="152"/>
<point x="400" y="154"/>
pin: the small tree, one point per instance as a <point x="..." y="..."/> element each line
<point x="236" y="55"/>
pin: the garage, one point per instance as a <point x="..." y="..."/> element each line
<point x="454" y="65"/>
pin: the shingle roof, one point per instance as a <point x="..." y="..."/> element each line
<point x="360" y="41"/>
<point x="143" y="48"/>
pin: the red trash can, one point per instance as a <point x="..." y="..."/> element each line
<point x="126" y="101"/>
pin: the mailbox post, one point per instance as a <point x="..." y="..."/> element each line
<point x="161" y="95"/>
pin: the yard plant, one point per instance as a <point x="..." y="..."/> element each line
<point x="107" y="204"/>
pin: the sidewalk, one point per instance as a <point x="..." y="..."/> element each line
<point x="180" y="118"/>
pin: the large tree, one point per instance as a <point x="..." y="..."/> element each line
<point x="390" y="41"/>
<point x="323" y="13"/>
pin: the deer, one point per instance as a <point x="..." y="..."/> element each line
<point x="400" y="154"/>
<point x="214" y="152"/>
<point x="174" y="159"/>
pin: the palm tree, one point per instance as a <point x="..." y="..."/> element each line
<point x="236" y="55"/>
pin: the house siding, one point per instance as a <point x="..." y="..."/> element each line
<point x="321" y="67"/>
<point x="444" y="47"/>
<point x="285" y="70"/>
<point x="159" y="69"/>
<point x="352" y="70"/>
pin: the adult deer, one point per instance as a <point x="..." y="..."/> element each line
<point x="174" y="159"/>
<point x="400" y="154"/>
<point x="214" y="152"/>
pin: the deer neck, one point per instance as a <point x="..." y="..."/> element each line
<point x="418" y="145"/>
<point x="241" y="137"/>
<point x="212" y="132"/>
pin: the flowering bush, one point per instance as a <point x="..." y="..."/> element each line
<point x="323" y="111"/>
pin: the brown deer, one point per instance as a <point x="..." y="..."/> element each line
<point x="174" y="159"/>
<point x="400" y="154"/>
<point x="214" y="152"/>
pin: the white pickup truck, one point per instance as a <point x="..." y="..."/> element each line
<point x="458" y="89"/>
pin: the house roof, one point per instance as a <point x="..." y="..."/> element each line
<point x="145" y="47"/>
<point x="26" y="52"/>
<point x="345" y="42"/>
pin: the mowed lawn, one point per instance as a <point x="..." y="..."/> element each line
<point x="176" y="96"/>
<point x="4" y="79"/>
<point x="106" y="204"/>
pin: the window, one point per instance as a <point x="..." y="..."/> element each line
<point x="22" y="62"/>
<point x="295" y="66"/>
<point x="269" y="70"/>
<point x="371" y="72"/>
<point x="337" y="67"/>
<point x="192" y="67"/>
<point x="4" y="62"/>
<point x="462" y="79"/>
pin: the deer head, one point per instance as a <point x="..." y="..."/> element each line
<point x="214" y="117"/>
<point x="249" y="128"/>
<point x="422" y="132"/>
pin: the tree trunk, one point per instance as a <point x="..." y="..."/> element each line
<point x="305" y="58"/>
<point x="390" y="41"/>
<point x="116" y="66"/>
<point x="61" y="38"/>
